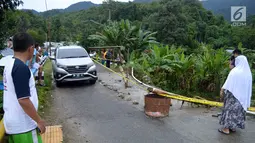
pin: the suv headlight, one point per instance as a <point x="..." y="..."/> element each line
<point x="92" y="66"/>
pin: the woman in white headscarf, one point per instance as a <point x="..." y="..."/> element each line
<point x="237" y="92"/>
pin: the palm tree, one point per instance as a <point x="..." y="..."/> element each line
<point x="124" y="34"/>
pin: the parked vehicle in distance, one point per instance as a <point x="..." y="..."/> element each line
<point x="52" y="51"/>
<point x="72" y="63"/>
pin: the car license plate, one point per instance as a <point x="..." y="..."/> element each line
<point x="77" y="75"/>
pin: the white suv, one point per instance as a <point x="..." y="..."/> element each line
<point x="72" y="63"/>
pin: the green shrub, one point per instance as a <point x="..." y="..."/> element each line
<point x="171" y="69"/>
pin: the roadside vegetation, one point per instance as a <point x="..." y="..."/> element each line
<point x="200" y="71"/>
<point x="44" y="93"/>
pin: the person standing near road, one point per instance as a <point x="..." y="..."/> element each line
<point x="9" y="43"/>
<point x="103" y="56"/>
<point x="39" y="61"/>
<point x="21" y="120"/>
<point x="231" y="66"/>
<point x="45" y="53"/>
<point x="108" y="56"/>
<point x="236" y="91"/>
<point x="8" y="51"/>
<point x="34" y="63"/>
<point x="31" y="62"/>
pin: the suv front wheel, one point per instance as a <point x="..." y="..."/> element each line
<point x="92" y="81"/>
<point x="58" y="84"/>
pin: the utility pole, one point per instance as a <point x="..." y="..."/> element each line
<point x="49" y="26"/>
<point x="109" y="15"/>
<point x="109" y="8"/>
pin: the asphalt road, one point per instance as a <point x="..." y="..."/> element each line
<point x="93" y="114"/>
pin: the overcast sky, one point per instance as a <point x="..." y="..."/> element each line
<point x="39" y="5"/>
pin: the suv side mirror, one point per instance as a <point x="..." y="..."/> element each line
<point x="52" y="58"/>
<point x="91" y="55"/>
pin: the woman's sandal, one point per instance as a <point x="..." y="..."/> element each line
<point x="223" y="132"/>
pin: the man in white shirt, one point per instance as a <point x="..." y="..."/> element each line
<point x="21" y="120"/>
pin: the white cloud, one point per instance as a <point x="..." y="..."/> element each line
<point x="39" y="5"/>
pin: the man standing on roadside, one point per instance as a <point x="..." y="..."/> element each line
<point x="8" y="51"/>
<point x="108" y="56"/>
<point x="21" y="120"/>
<point x="37" y="64"/>
<point x="103" y="56"/>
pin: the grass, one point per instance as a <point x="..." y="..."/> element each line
<point x="44" y="93"/>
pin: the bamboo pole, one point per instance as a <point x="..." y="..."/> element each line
<point x="122" y="62"/>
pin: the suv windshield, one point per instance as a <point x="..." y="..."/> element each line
<point x="71" y="53"/>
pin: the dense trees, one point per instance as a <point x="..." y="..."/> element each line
<point x="19" y="21"/>
<point x="5" y="7"/>
<point x="8" y="5"/>
<point x="181" y="22"/>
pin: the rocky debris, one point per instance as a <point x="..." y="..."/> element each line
<point x="116" y="84"/>
<point x="128" y="98"/>
<point x="121" y="96"/>
<point x="135" y="102"/>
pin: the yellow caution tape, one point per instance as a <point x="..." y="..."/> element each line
<point x="2" y="130"/>
<point x="176" y="96"/>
